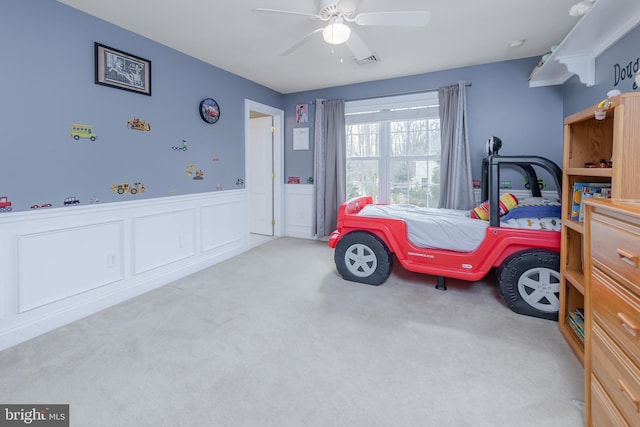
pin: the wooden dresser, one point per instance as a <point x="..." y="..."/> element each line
<point x="612" y="312"/>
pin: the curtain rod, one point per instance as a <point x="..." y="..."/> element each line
<point x="395" y="94"/>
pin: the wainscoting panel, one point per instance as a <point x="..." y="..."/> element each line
<point x="62" y="263"/>
<point x="163" y="238"/>
<point x="58" y="265"/>
<point x="299" y="210"/>
<point x="220" y="225"/>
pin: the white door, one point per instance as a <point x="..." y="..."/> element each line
<point x="260" y="176"/>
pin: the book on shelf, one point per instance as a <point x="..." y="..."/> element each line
<point x="576" y="321"/>
<point x="577" y="324"/>
<point x="585" y="190"/>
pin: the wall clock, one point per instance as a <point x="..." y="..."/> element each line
<point x="209" y="110"/>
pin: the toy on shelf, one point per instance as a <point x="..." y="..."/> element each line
<point x="605" y="104"/>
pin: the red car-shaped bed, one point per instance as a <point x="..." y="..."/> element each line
<point x="523" y="244"/>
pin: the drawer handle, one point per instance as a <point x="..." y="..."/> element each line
<point x="628" y="325"/>
<point x="629" y="395"/>
<point x="628" y="257"/>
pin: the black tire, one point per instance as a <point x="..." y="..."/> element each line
<point x="362" y="257"/>
<point x="529" y="282"/>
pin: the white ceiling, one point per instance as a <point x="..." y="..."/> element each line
<point x="229" y="35"/>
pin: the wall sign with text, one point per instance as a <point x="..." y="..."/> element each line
<point x="627" y="74"/>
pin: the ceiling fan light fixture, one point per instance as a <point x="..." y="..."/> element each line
<point x="336" y="33"/>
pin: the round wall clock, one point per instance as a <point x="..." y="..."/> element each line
<point x="209" y="110"/>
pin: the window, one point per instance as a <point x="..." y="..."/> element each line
<point x="393" y="149"/>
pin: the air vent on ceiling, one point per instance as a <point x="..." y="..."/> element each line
<point x="368" y="60"/>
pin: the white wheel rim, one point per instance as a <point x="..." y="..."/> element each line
<point x="540" y="288"/>
<point x="360" y="260"/>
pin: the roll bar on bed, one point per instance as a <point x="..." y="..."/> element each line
<point x="491" y="178"/>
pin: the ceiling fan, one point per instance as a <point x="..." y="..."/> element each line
<point x="337" y="13"/>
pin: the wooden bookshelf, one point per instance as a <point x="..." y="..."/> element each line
<point x="616" y="138"/>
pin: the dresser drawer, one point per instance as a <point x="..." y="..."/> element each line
<point x="618" y="311"/>
<point x="619" y="377"/>
<point x="603" y="412"/>
<point x="615" y="247"/>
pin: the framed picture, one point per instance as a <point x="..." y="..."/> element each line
<point x="209" y="110"/>
<point x="302" y="113"/>
<point x="122" y="70"/>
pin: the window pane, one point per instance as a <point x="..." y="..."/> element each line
<point x="415" y="182"/>
<point x="433" y="127"/>
<point x="432" y="184"/>
<point x="362" y="178"/>
<point x="363" y="140"/>
<point x="410" y="138"/>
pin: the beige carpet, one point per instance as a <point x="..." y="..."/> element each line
<point x="274" y="337"/>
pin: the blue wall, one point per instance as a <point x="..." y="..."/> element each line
<point x="500" y="103"/>
<point x="48" y="83"/>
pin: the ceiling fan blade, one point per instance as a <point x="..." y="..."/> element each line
<point x="302" y="41"/>
<point x="286" y="12"/>
<point x="357" y="47"/>
<point x="400" y="19"/>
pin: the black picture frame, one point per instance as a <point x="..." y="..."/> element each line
<point x="209" y="110"/>
<point x="122" y="70"/>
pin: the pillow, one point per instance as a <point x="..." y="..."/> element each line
<point x="533" y="211"/>
<point x="508" y="201"/>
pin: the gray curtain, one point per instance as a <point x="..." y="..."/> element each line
<point x="456" y="182"/>
<point x="329" y="164"/>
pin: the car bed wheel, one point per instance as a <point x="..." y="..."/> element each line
<point x="362" y="257"/>
<point x="529" y="282"/>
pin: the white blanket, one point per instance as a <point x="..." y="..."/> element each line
<point x="434" y="228"/>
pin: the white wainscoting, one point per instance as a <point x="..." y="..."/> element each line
<point x="59" y="265"/>
<point x="299" y="210"/>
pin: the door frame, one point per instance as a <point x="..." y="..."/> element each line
<point x="278" y="161"/>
